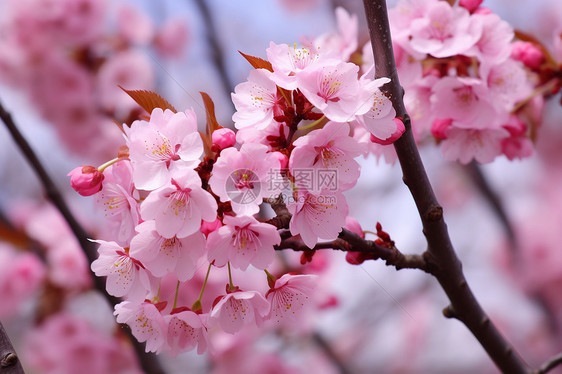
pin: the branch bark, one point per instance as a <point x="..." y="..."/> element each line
<point x="448" y="268"/>
<point x="148" y="361"/>
<point x="9" y="361"/>
<point x="550" y="364"/>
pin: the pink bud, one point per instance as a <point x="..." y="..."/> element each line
<point x="209" y="227"/>
<point x="470" y="5"/>
<point x="400" y="128"/>
<point x="439" y="128"/>
<point x="283" y="159"/>
<point x="86" y="180"/>
<point x="528" y="53"/>
<point x="352" y="225"/>
<point x="223" y="138"/>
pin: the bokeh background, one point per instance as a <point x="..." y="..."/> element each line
<point x="376" y="320"/>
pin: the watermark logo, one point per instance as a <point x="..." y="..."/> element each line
<point x="243" y="186"/>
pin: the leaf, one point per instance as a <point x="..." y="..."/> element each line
<point x="257" y="63"/>
<point x="212" y="123"/>
<point x="149" y="100"/>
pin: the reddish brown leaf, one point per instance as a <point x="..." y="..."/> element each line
<point x="149" y="100"/>
<point x="212" y="123"/>
<point x="257" y="63"/>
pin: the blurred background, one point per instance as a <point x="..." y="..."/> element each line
<point x="60" y="63"/>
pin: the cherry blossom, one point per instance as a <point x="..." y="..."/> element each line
<point x="118" y="199"/>
<point x="289" y="297"/>
<point x="86" y="180"/>
<point x="317" y="216"/>
<point x="179" y="206"/>
<point x="167" y="142"/>
<point x="186" y="331"/>
<point x="240" y="176"/>
<point x="239" y="308"/>
<point x="163" y="255"/>
<point x="335" y="90"/>
<point x="345" y="40"/>
<point x="288" y="61"/>
<point x="243" y="241"/>
<point x="444" y="31"/>
<point x="483" y="145"/>
<point x="256" y="101"/>
<point x="125" y="275"/>
<point x="146" y="323"/>
<point x="330" y="148"/>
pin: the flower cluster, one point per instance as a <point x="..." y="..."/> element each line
<point x="467" y="83"/>
<point x="179" y="201"/>
<point x="58" y="53"/>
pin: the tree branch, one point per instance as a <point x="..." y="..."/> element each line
<point x="148" y="361"/>
<point x="550" y="364"/>
<point x="480" y="181"/>
<point x="9" y="361"/>
<point x="448" y="268"/>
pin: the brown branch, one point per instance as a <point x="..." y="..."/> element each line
<point x="480" y="181"/>
<point x="148" y="361"/>
<point x="448" y="268"/>
<point x="9" y="361"/>
<point x="550" y="364"/>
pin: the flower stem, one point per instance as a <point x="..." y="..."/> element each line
<point x="101" y="168"/>
<point x="197" y="304"/>
<point x="230" y="284"/>
<point x="176" y="297"/>
<point x="313" y="124"/>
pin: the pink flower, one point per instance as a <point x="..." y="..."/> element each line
<point x="162" y="256"/>
<point x="172" y="38"/>
<point x="186" y="331"/>
<point x="129" y="69"/>
<point x="344" y="42"/>
<point x="400" y="128"/>
<point x="528" y="53"/>
<point x="86" y="180"/>
<point x="208" y="227"/>
<point x="20" y="276"/>
<point x="465" y="100"/>
<point x="483" y="145"/>
<point x="328" y="149"/>
<point x="507" y="83"/>
<point x="239" y="308"/>
<point x="146" y="323"/>
<point x="134" y="25"/>
<point x="470" y="5"/>
<point x="494" y="44"/>
<point x="336" y="90"/>
<point x="444" y="31"/>
<point x="243" y="241"/>
<point x="256" y="101"/>
<point x="288" y="61"/>
<point x="126" y="276"/>
<point x="223" y="138"/>
<point x="168" y="142"/>
<point x="289" y="297"/>
<point x="317" y="216"/>
<point x="118" y="201"/>
<point x="179" y="206"/>
<point x="379" y="120"/>
<point x="240" y="176"/>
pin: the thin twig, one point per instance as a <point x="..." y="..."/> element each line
<point x="448" y="269"/>
<point x="330" y="353"/>
<point x="148" y="361"/>
<point x="550" y="364"/>
<point x="9" y="360"/>
<point x="214" y="44"/>
<point x="480" y="181"/>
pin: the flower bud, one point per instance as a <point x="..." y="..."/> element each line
<point x="527" y="53"/>
<point x="223" y="138"/>
<point x="470" y="5"/>
<point x="439" y="128"/>
<point x="86" y="180"/>
<point x="400" y="128"/>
